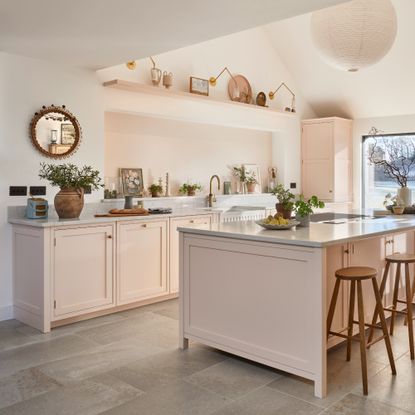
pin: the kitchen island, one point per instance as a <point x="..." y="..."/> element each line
<point x="263" y="295"/>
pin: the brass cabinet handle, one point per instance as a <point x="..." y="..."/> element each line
<point x="109" y="236"/>
<point x="144" y="225"/>
<point x="347" y="251"/>
<point x="192" y="221"/>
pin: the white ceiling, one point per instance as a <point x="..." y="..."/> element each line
<point x="385" y="89"/>
<point x="102" y="33"/>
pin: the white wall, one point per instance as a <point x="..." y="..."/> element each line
<point x="249" y="53"/>
<point x="188" y="151"/>
<point x="27" y="84"/>
<point x="361" y="127"/>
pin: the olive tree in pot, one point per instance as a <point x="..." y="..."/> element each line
<point x="304" y="208"/>
<point x="73" y="181"/>
<point x="285" y="199"/>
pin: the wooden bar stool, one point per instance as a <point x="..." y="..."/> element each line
<point x="356" y="275"/>
<point x="398" y="259"/>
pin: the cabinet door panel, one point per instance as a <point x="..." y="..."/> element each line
<point x="318" y="160"/>
<point x="142" y="260"/>
<point x="368" y="253"/>
<point x="335" y="261"/>
<point x="83" y="269"/>
<point x="174" y="245"/>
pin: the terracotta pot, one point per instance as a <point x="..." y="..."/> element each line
<point x="286" y="213"/>
<point x="191" y="192"/>
<point x="155" y="194"/>
<point x="69" y="202"/>
<point x="251" y="187"/>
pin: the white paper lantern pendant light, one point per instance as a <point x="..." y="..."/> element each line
<point x="356" y="34"/>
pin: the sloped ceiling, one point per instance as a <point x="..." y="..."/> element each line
<point x="101" y="33"/>
<point x="385" y="89"/>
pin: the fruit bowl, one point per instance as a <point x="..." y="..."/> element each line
<point x="291" y="223"/>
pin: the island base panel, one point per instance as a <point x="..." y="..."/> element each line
<point x="261" y="301"/>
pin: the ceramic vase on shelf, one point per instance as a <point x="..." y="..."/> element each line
<point x="404" y="196"/>
<point x="242" y="188"/>
<point x="69" y="203"/>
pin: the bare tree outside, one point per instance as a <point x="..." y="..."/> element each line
<point x="388" y="163"/>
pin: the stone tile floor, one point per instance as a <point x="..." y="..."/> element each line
<point x="128" y="363"/>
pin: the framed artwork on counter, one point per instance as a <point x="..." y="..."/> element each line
<point x="132" y="181"/>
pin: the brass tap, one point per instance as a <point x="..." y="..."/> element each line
<point x="212" y="197"/>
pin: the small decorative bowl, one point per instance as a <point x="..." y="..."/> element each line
<point x="270" y="227"/>
<point x="398" y="210"/>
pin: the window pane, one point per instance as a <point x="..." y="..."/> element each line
<point x="398" y="149"/>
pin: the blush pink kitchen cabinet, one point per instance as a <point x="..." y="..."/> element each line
<point x="142" y="260"/>
<point x="83" y="271"/>
<point x="174" y="244"/>
<point x="326" y="159"/>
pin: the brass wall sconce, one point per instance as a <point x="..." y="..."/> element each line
<point x="131" y="65"/>
<point x="236" y="93"/>
<point x="273" y="93"/>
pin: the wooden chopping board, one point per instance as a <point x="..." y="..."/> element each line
<point x="118" y="215"/>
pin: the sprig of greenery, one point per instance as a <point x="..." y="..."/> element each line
<point x="304" y="207"/>
<point x="239" y="172"/>
<point x="69" y="175"/>
<point x="186" y="187"/>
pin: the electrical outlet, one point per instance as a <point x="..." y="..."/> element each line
<point x="18" y="191"/>
<point x="37" y="190"/>
<point x="293" y="185"/>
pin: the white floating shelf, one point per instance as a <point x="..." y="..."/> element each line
<point x="133" y="97"/>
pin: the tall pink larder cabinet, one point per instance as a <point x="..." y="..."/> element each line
<point x="326" y="152"/>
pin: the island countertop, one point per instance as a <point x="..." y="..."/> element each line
<point x="318" y="235"/>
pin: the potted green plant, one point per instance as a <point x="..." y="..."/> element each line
<point x="285" y="199"/>
<point x="73" y="181"/>
<point x="240" y="173"/>
<point x="156" y="190"/>
<point x="251" y="182"/>
<point x="304" y="208"/>
<point x="190" y="189"/>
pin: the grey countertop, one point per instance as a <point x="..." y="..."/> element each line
<point x="317" y="235"/>
<point x="91" y="220"/>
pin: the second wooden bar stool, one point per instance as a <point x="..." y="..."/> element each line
<point x="398" y="259"/>
<point x="356" y="275"/>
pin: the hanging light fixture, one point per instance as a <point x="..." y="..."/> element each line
<point x="356" y="34"/>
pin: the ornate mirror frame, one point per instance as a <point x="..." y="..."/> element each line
<point x="71" y="118"/>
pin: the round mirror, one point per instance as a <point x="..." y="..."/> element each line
<point x="55" y="132"/>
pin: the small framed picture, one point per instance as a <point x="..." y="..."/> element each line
<point x="199" y="86"/>
<point x="132" y="181"/>
<point x="67" y="134"/>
